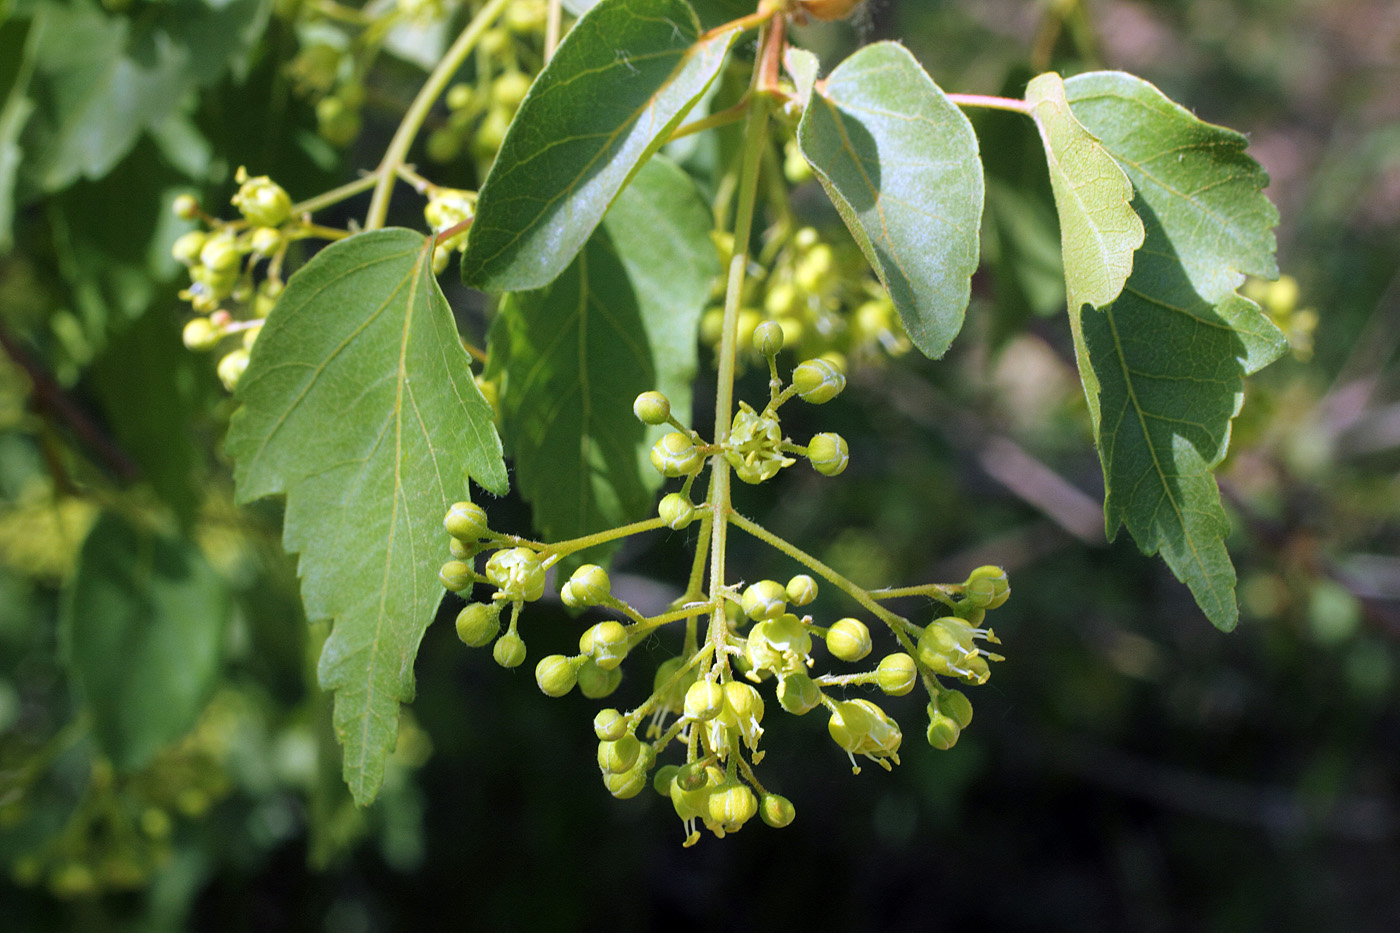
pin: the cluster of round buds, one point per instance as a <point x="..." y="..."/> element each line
<point x="517" y="573"/>
<point x="222" y="261"/>
<point x="448" y="208"/>
<point x="755" y="446"/>
<point x="479" y="114"/>
<point x="822" y="295"/>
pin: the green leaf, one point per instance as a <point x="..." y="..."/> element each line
<point x="1164" y="364"/>
<point x="103" y="80"/>
<point x="712" y="13"/>
<point x="142" y="627"/>
<point x="359" y="407"/>
<point x="622" y="79"/>
<point x="574" y="355"/>
<point x="1204" y="188"/>
<point x="1099" y="230"/>
<point x="899" y="160"/>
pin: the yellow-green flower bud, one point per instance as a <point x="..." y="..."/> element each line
<point x="987" y="587"/>
<point x="456" y="575"/>
<point x="897" y="674"/>
<point x="766" y="599"/>
<point x="957" y="705"/>
<point x="609" y="725"/>
<point x="264" y="241"/>
<point x="676" y="455"/>
<point x="768" y="338"/>
<point x="743" y="710"/>
<point x="828" y="454"/>
<point x="187" y="248"/>
<point x="704" y="700"/>
<point x="555" y="675"/>
<point x="731" y="806"/>
<point x="231" y="368"/>
<point x="671" y="697"/>
<point x="185" y="207"/>
<point x="606" y="643"/>
<point x="509" y="650"/>
<point x="595" y="683"/>
<point x="779" y="646"/>
<point x="517" y="573"/>
<point x="676" y="511"/>
<point x="652" y="408"/>
<point x="201" y="334"/>
<point x="336" y="121"/>
<point x="798" y="694"/>
<point x="943" y="731"/>
<point x="262" y="201"/>
<point x="479" y="623"/>
<point x="777" y="811"/>
<point x="465" y="521"/>
<point x="460" y="96"/>
<point x="848" y="640"/>
<point x="665" y="774"/>
<point x="801" y="590"/>
<point x="620" y="755"/>
<point x="220" y="253"/>
<point x="588" y="586"/>
<point x="818" y="381"/>
<point x="628" y="784"/>
<point x="510" y="89"/>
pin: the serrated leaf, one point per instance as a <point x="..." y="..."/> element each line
<point x="1206" y="191"/>
<point x="1164" y="364"/>
<point x="142" y="627"/>
<point x="1099" y="230"/>
<point x="899" y="160"/>
<point x="359" y="407"/>
<point x="621" y="80"/>
<point x="103" y="80"/>
<point x="573" y="356"/>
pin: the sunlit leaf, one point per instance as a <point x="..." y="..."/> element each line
<point x="143" y="629"/>
<point x="622" y="79"/>
<point x="573" y="356"/>
<point x="1099" y="231"/>
<point x="360" y="408"/>
<point x="900" y="163"/>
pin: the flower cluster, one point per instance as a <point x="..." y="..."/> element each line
<point x="744" y="647"/>
<point x="230" y="295"/>
<point x="822" y="297"/>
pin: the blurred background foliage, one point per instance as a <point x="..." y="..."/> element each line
<point x="1130" y="767"/>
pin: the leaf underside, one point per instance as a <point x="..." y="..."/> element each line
<point x="900" y="162"/>
<point x="573" y="356"/>
<point x="360" y="407"/>
<point x="621" y="80"/>
<point x="1164" y="363"/>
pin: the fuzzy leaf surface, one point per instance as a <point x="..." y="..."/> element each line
<point x="1099" y="230"/>
<point x="712" y="13"/>
<point x="359" y="407"/>
<point x="574" y="355"/>
<point x="622" y="79"/>
<point x="1166" y="360"/>
<point x="143" y="629"/>
<point x="899" y="160"/>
